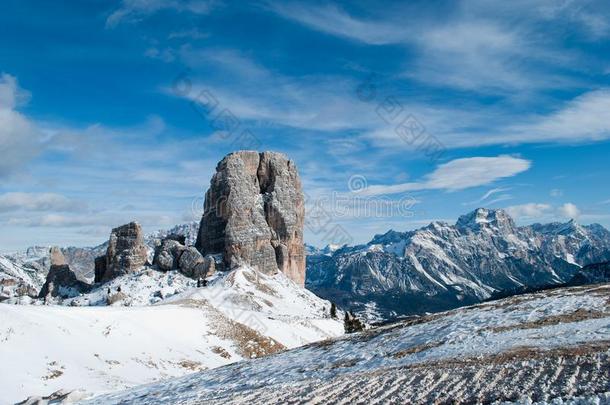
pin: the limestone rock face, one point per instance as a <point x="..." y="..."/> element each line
<point x="61" y="281"/>
<point x="126" y="253"/>
<point x="254" y="214"/>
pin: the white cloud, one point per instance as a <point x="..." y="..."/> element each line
<point x="539" y="211"/>
<point x="569" y="210"/>
<point x="460" y="174"/>
<point x="20" y="139"/>
<point x="38" y="202"/>
<point x="135" y="10"/>
<point x="581" y="119"/>
<point x="529" y="211"/>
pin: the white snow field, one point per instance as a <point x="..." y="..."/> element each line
<point x="548" y="347"/>
<point x="96" y="349"/>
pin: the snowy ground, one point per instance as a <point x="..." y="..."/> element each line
<point x="550" y="346"/>
<point x="86" y="345"/>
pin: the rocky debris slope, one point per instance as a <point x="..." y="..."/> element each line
<point x="550" y="346"/>
<point x="444" y="266"/>
<point x="241" y="314"/>
<point x="61" y="280"/>
<point x="126" y="253"/>
<point x="20" y="276"/>
<point x="254" y="214"/>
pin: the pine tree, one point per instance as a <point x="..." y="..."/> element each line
<point x="351" y="323"/>
<point x="333" y="310"/>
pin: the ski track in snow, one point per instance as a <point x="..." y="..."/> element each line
<point x="549" y="347"/>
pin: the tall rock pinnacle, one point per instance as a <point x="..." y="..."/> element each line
<point x="254" y="214"/>
<point x="126" y="253"/>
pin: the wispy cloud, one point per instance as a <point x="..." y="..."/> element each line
<point x="497" y="193"/>
<point x="333" y="20"/>
<point x="459" y="174"/>
<point x="253" y="92"/>
<point x="136" y="10"/>
<point x="470" y="48"/>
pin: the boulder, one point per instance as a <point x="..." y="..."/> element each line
<point x="126" y="253"/>
<point x="192" y="264"/>
<point x="254" y="214"/>
<point x="167" y="255"/>
<point x="61" y="281"/>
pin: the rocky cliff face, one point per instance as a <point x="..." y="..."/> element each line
<point x="126" y="253"/>
<point x="443" y="266"/>
<point x="254" y="214"/>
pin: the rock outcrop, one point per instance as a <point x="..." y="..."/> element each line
<point x="254" y="214"/>
<point x="126" y="253"/>
<point x="167" y="255"/>
<point x="61" y="281"/>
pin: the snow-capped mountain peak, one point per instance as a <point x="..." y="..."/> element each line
<point x="483" y="218"/>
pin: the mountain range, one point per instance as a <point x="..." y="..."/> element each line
<point x="443" y="266"/>
<point x="434" y="268"/>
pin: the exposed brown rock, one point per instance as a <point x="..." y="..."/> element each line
<point x="254" y="214"/>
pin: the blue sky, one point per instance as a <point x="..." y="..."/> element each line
<point x="114" y="111"/>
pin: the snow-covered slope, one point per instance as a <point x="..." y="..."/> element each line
<point x="23" y="273"/>
<point x="87" y="345"/>
<point x="549" y="346"/>
<point x="444" y="266"/>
